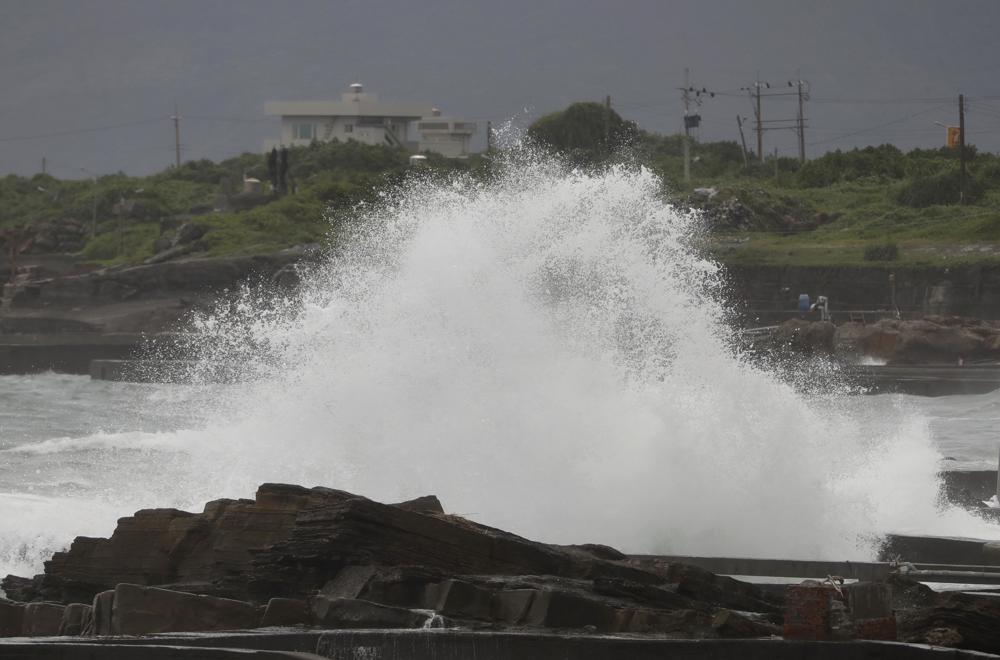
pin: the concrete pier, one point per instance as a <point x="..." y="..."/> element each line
<point x="929" y="379"/>
<point x="64" y="353"/>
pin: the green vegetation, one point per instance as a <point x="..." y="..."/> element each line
<point x="130" y="214"/>
<point x="871" y="205"/>
<point x="584" y="132"/>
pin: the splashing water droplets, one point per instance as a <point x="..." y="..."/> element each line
<point x="548" y="354"/>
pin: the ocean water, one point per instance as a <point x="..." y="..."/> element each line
<point x="548" y="353"/>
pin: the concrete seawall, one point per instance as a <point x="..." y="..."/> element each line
<point x="770" y="293"/>
<point x="452" y="644"/>
<point x="65" y="353"/>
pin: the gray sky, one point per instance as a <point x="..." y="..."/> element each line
<point x="883" y="69"/>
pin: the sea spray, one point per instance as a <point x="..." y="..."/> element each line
<point x="548" y="353"/>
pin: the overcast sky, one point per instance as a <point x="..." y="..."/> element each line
<point x="879" y="70"/>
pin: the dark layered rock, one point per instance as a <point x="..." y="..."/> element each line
<point x="343" y="529"/>
<point x="11" y="618"/>
<point x="339" y="613"/>
<point x="732" y="624"/>
<point x="931" y="340"/>
<point x="807" y="337"/>
<point x="291" y="541"/>
<point x="701" y="585"/>
<point x="956" y="620"/>
<point x="208" y="553"/>
<point x="139" y="610"/>
<point x="42" y="619"/>
<point x="206" y="277"/>
<point x="286" y="612"/>
<point x="76" y="619"/>
<point x="324" y="557"/>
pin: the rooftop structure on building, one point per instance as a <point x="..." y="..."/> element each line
<point x="361" y="116"/>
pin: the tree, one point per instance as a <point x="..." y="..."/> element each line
<point x="585" y="132"/>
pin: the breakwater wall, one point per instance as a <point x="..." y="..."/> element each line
<point x="64" y="352"/>
<point x="762" y="294"/>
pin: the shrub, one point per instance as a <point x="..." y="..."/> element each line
<point x="882" y="252"/>
<point x="941" y="188"/>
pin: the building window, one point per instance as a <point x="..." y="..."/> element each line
<point x="303" y="132"/>
<point x="348" y="128"/>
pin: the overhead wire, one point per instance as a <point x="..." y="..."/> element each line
<point x="80" y="131"/>
<point x="877" y="127"/>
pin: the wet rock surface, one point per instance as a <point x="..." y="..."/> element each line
<point x="318" y="558"/>
<point x="323" y="557"/>
<point x="941" y="340"/>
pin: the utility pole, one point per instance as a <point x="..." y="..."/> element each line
<point x="686" y="97"/>
<point x="760" y="123"/>
<point x="689" y="96"/>
<point x="177" y="135"/>
<point x="489" y="137"/>
<point x="743" y="141"/>
<point x="802" y="127"/>
<point x="961" y="148"/>
<point x="43" y="165"/>
<point x="797" y="124"/>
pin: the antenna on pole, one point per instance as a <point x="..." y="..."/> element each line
<point x="177" y="135"/>
<point x="961" y="147"/>
<point x="743" y="141"/>
<point x="690" y="96"/>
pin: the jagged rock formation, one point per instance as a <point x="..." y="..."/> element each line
<point x="931" y="340"/>
<point x="318" y="556"/>
<point x="325" y="558"/>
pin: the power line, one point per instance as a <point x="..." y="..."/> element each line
<point x="875" y="128"/>
<point x="80" y="131"/>
<point x="237" y="120"/>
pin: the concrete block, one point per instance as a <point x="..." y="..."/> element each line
<point x="463" y="600"/>
<point x="869" y="600"/>
<point x="350" y="613"/>
<point x="730" y="624"/>
<point x="807" y="611"/>
<point x="684" y="621"/>
<point x="141" y="610"/>
<point x="76" y="619"/>
<point x="101" y="614"/>
<point x="286" y="612"/>
<point x="511" y="605"/>
<point x="11" y="618"/>
<point x="42" y="619"/>
<point x="565" y="609"/>
<point x="350" y="582"/>
<point x="937" y="550"/>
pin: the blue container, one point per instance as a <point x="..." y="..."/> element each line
<point x="803" y="302"/>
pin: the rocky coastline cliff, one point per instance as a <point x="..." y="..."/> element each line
<point x="323" y="559"/>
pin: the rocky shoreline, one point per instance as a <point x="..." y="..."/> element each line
<point x="323" y="559"/>
<point x="933" y="340"/>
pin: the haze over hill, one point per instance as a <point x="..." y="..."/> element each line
<point x="879" y="72"/>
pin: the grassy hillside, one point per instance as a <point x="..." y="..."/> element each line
<point x="869" y="205"/>
<point x="121" y="218"/>
<point x="861" y="206"/>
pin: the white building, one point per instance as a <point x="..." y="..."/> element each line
<point x="359" y="115"/>
<point x="448" y="136"/>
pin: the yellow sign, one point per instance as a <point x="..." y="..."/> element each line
<point x="954" y="137"/>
